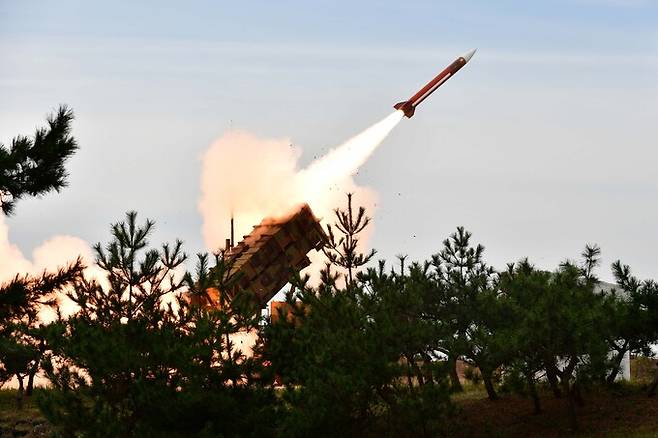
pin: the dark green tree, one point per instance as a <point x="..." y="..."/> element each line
<point x="34" y="166"/>
<point x="22" y="344"/>
<point x="343" y="251"/>
<point x="143" y="358"/>
<point x="633" y="314"/>
<point x="521" y="285"/>
<point x="355" y="360"/>
<point x="352" y="361"/>
<point x="558" y="324"/>
<point x="465" y="308"/>
<point x="397" y="303"/>
<point x="31" y="167"/>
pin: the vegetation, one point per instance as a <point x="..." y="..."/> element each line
<point x="343" y="251"/>
<point x="610" y="411"/>
<point x="355" y="360"/>
<point x="138" y="359"/>
<point x="368" y="351"/>
<point x="22" y="340"/>
<point x="557" y="325"/>
<point x="32" y="167"/>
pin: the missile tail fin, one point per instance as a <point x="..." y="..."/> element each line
<point x="406" y="107"/>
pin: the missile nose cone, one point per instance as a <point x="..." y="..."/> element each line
<point x="468" y="55"/>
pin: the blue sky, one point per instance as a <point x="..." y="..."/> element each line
<point x="609" y="24"/>
<point x="546" y="141"/>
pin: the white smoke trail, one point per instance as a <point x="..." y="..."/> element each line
<point x="346" y="159"/>
<point x="333" y="172"/>
<point x="257" y="178"/>
<point x="254" y="177"/>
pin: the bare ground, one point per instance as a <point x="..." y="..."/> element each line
<point x="623" y="411"/>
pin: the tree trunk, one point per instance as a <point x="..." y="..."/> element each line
<point x="30" y="382"/>
<point x="418" y="371"/>
<point x="488" y="384"/>
<point x="617" y="366"/>
<point x="532" y="389"/>
<point x="571" y="404"/>
<point x="455" y="384"/>
<point x="427" y="367"/>
<point x="577" y="395"/>
<point x="570" y="390"/>
<point x="20" y="392"/>
<point x="613" y="375"/>
<point x="552" y="381"/>
<point x="35" y="368"/>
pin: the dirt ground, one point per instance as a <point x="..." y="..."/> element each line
<point x="624" y="411"/>
<point x="27" y="422"/>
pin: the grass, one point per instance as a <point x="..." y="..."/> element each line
<point x="26" y="422"/>
<point x="623" y="411"/>
<point x="470" y="392"/>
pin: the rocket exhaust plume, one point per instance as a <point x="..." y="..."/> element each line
<point x="268" y="183"/>
<point x="263" y="179"/>
<point x="344" y="161"/>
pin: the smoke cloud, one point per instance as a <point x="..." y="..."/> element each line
<point x="244" y="175"/>
<point x="51" y="255"/>
<point x="253" y="178"/>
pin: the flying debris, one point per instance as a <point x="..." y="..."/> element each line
<point x="409" y="107"/>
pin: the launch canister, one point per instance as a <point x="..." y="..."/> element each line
<point x="409" y="106"/>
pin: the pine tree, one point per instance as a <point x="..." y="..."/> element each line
<point x="141" y="357"/>
<point x="558" y="324"/>
<point x="22" y="343"/>
<point x="357" y="363"/>
<point x="116" y="348"/>
<point x="32" y="167"/>
<point x="465" y="306"/>
<point x="35" y="166"/>
<point x="633" y="311"/>
<point x="343" y="252"/>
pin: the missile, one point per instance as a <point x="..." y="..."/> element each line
<point x="408" y="107"/>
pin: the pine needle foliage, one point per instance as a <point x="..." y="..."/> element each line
<point x="141" y="358"/>
<point x="343" y="250"/>
<point x="33" y="166"/>
<point x="22" y="343"/>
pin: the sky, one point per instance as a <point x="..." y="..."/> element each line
<point x="545" y="141"/>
